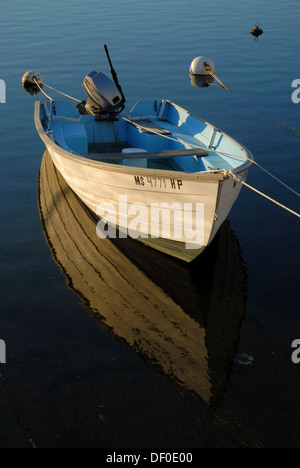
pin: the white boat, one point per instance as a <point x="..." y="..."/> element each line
<point x="158" y="174"/>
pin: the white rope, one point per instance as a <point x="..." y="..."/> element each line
<point x="276" y="178"/>
<point x="56" y="90"/>
<point x="60" y="92"/>
<point x="237" y="179"/>
<point x="244" y="158"/>
<point x="209" y="70"/>
<point x="50" y="99"/>
<point x="43" y="92"/>
<point x="152" y="130"/>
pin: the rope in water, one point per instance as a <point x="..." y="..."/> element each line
<point x="209" y="70"/>
<point x="233" y="176"/>
<point x="237" y="179"/>
<point x="21" y="419"/>
<point x="245" y="158"/>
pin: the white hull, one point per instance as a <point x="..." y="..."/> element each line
<point x="208" y="197"/>
<point x="96" y="186"/>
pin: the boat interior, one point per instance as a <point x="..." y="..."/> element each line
<point x="155" y="135"/>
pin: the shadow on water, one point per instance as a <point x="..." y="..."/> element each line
<point x="184" y="320"/>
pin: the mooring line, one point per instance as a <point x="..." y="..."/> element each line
<point x="56" y="90"/>
<point x="10" y="394"/>
<point x="237" y="179"/>
<point x="245" y="158"/>
<point x="209" y="70"/>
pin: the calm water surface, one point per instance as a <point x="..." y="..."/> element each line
<point x="115" y="346"/>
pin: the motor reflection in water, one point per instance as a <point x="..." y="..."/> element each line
<point x="184" y="320"/>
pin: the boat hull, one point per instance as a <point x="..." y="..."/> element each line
<point x="118" y="198"/>
<point x="177" y="213"/>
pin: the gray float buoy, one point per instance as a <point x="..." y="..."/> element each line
<point x="202" y="66"/>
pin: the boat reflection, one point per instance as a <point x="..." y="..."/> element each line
<point x="184" y="319"/>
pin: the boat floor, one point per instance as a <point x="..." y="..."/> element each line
<point x="166" y="163"/>
<point x="163" y="127"/>
<point x="148" y="126"/>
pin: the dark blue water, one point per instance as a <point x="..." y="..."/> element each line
<point x="74" y="376"/>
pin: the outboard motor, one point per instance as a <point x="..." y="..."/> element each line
<point x="105" y="98"/>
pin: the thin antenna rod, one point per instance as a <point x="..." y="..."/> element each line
<point x="113" y="73"/>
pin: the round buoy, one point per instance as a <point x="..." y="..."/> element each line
<point x="201" y="66"/>
<point x="30" y="80"/>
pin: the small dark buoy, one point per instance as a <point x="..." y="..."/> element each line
<point x="256" y="31"/>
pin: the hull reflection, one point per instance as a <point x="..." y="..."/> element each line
<point x="185" y="319"/>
